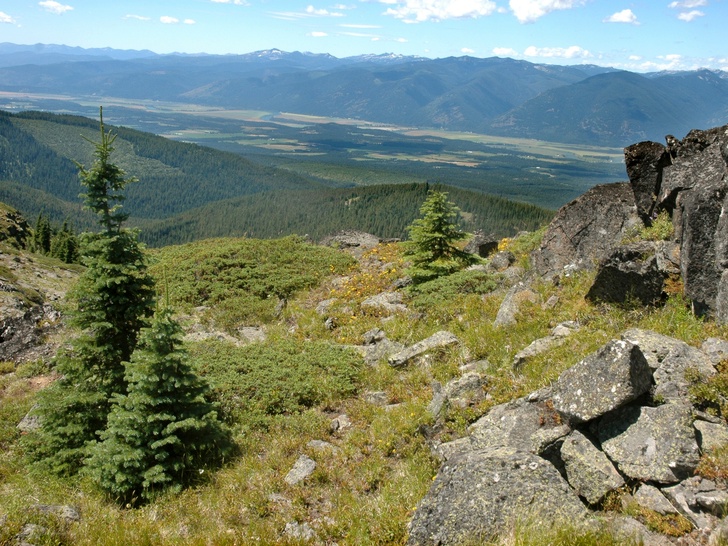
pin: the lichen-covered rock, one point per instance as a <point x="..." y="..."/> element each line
<point x="651" y="498"/>
<point x="526" y="424"/>
<point x="478" y="494"/>
<point x="438" y="340"/>
<point x="515" y="298"/>
<point x="588" y="470"/>
<point x="650" y="444"/>
<point x="302" y="469"/>
<point x="669" y="359"/>
<point x="711" y="435"/>
<point x="586" y="230"/>
<point x="605" y="380"/>
<point x="386" y="303"/>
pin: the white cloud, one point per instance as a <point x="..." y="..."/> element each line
<point x="418" y="11"/>
<point x="322" y="12"/>
<point x="347" y="25"/>
<point x="688" y="16"/>
<point x="236" y="2"/>
<point x="5" y="18"/>
<point x="505" y="52"/>
<point x="54" y="7"/>
<point x="635" y="57"/>
<point x="688" y="4"/>
<point x="137" y="17"/>
<point x="467" y="51"/>
<point x="318" y="34"/>
<point x="527" y="11"/>
<point x="624" y="16"/>
<point x="572" y="52"/>
<point x="167" y="20"/>
<point x="189" y="21"/>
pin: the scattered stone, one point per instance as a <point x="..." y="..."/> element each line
<point x="710" y="435"/>
<point x="387" y="303"/>
<point x="537" y="347"/>
<point x="715" y="502"/>
<point x="481" y="244"/>
<point x="719" y="536"/>
<point x="437" y="340"/>
<point x="30" y="533"/>
<point x="375" y="335"/>
<point x="655" y="347"/>
<point x="340" y="423"/>
<point x="613" y="376"/>
<point x="501" y="261"/>
<point x="588" y="470"/>
<point x="252" y="334"/>
<point x="461" y="392"/>
<point x="565" y="329"/>
<point x="325" y="306"/>
<point x="376" y="398"/>
<point x="321" y="445"/>
<point x="651" y="498"/>
<point x="632" y="530"/>
<point x="64" y="512"/>
<point x="716" y="349"/>
<point x="515" y="298"/>
<point x="302" y="469"/>
<point x="300" y="531"/>
<point x="30" y="422"/>
<point x="683" y="497"/>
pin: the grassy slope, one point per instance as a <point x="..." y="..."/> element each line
<point x="366" y="487"/>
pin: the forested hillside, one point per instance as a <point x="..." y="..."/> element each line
<point x="383" y="210"/>
<point x="189" y="191"/>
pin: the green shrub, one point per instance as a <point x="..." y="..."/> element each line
<point x="443" y="290"/>
<point x="256" y="382"/>
<point x="242" y="280"/>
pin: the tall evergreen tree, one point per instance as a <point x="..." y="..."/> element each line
<point x="432" y="239"/>
<point x="114" y="297"/>
<point x="163" y="432"/>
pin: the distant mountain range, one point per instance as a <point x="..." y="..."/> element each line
<point x="583" y="104"/>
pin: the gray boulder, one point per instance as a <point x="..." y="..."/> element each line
<point x="302" y="469"/>
<point x="605" y="380"/>
<point x="651" y="444"/>
<point x="588" y="470"/>
<point x="461" y="392"/>
<point x="438" y="340"/>
<point x="585" y="231"/>
<point x="526" y="424"/>
<point x="513" y="302"/>
<point x="711" y="435"/>
<point x="669" y="359"/>
<point x="386" y="303"/>
<point x="631" y="274"/>
<point x="651" y="498"/>
<point x="478" y="494"/>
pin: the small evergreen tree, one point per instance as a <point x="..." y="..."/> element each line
<point x="163" y="432"/>
<point x="431" y="246"/>
<point x="42" y="235"/>
<point x="113" y="297"/>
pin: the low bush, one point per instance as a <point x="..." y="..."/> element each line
<point x="257" y="382"/>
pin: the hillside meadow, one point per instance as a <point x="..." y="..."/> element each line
<point x="281" y="394"/>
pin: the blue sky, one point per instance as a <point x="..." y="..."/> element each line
<point x="638" y="35"/>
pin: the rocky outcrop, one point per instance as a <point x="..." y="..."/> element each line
<point x="438" y="340"/>
<point x="689" y="179"/>
<point x="586" y="230"/>
<point x="620" y="416"/>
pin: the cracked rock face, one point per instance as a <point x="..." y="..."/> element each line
<point x="578" y="237"/>
<point x="613" y="376"/>
<point x="651" y="444"/>
<point x="477" y="494"/>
